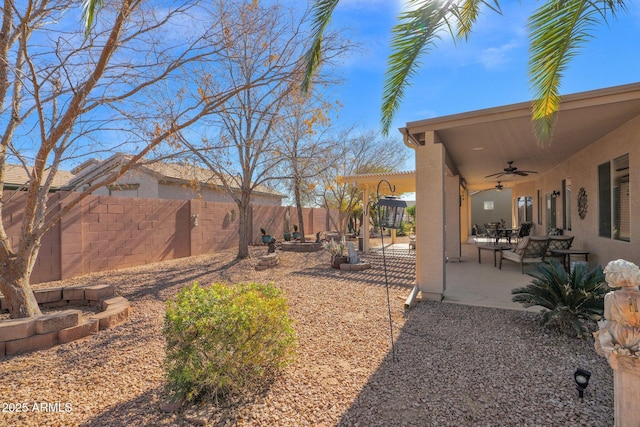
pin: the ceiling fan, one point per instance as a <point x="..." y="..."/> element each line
<point x="499" y="187"/>
<point x="510" y="170"/>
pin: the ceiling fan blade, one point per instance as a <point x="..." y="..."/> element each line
<point x="521" y="173"/>
<point x="529" y="171"/>
<point x="499" y="174"/>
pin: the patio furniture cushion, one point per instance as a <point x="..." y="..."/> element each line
<point x="533" y="251"/>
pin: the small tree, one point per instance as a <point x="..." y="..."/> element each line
<point x="353" y="155"/>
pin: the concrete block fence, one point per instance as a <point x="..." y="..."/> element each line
<point x="42" y="332"/>
<point x="108" y="232"/>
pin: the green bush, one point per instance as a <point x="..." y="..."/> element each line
<point x="225" y="340"/>
<point x="569" y="299"/>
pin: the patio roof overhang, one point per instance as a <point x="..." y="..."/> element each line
<point x="480" y="143"/>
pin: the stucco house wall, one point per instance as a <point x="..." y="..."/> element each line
<point x="582" y="168"/>
<point x="501" y="207"/>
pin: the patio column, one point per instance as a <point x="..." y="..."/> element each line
<point x="364" y="228"/>
<point x="430" y="218"/>
<point x="452" y="209"/>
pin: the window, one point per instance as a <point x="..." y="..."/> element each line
<point x="551" y="212"/>
<point x="525" y="209"/>
<point x="566" y="203"/>
<point x="613" y="199"/>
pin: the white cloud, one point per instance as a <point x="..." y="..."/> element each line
<point x="494" y="57"/>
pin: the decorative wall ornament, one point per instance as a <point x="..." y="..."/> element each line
<point x="582" y="203"/>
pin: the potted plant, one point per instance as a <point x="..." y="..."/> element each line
<point x="287" y="235"/>
<point x="296" y="234"/>
<point x="266" y="238"/>
<point x="337" y="252"/>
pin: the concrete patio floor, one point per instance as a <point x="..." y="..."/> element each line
<point x="468" y="282"/>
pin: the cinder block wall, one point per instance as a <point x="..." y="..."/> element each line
<point x="109" y="233"/>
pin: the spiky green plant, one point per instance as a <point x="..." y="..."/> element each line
<point x="570" y="300"/>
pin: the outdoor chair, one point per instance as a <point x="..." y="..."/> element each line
<point x="524" y="230"/>
<point x="556" y="243"/>
<point x="492" y="231"/>
<point x="529" y="250"/>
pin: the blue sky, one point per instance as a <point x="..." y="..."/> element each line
<point x="487" y="71"/>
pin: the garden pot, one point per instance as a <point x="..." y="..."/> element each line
<point x="336" y="260"/>
<point x="287" y="237"/>
<point x="266" y="239"/>
<point x="296" y="235"/>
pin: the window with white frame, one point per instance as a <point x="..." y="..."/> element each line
<point x="613" y="199"/>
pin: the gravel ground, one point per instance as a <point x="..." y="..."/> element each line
<point x="455" y="365"/>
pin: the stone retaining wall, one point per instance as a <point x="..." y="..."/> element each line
<point x="38" y="333"/>
<point x="301" y="247"/>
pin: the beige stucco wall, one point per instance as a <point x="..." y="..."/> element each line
<point x="147" y="186"/>
<point x="582" y="168"/>
<point x="150" y="188"/>
<point x="180" y="192"/>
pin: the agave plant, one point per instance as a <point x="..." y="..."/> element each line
<point x="570" y="300"/>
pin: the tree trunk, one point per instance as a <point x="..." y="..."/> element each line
<point x="14" y="284"/>
<point x="244" y="228"/>
<point x="299" y="207"/>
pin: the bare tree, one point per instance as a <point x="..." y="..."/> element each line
<point x="243" y="149"/>
<point x="354" y="155"/>
<point x="306" y="149"/>
<point x="140" y="77"/>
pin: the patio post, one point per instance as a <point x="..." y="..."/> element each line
<point x="430" y="218"/>
<point x="364" y="228"/>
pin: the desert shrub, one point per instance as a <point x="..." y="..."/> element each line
<point x="225" y="340"/>
<point x="570" y="300"/>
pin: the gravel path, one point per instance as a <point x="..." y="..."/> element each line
<point x="456" y="365"/>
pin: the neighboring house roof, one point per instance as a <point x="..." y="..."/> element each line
<point x="180" y="173"/>
<point x="16" y="176"/>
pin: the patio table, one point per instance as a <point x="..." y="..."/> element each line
<point x="566" y="255"/>
<point x="494" y="248"/>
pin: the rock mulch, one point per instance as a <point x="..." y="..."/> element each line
<point x="455" y="365"/>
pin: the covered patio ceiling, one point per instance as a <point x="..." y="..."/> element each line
<point x="480" y="143"/>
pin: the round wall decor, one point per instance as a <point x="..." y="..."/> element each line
<point x="582" y="203"/>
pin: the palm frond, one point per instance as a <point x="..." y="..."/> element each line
<point x="89" y="8"/>
<point x="467" y="13"/>
<point x="417" y="31"/>
<point x="557" y="30"/>
<point x="322" y="11"/>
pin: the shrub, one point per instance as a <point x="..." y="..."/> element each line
<point x="570" y="299"/>
<point x="225" y="340"/>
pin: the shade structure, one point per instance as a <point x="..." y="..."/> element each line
<point x="391" y="210"/>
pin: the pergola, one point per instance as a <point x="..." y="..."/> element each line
<point x="404" y="182"/>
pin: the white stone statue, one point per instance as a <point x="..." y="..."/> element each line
<point x="352" y="254"/>
<point x="620" y="331"/>
<point x="618" y="339"/>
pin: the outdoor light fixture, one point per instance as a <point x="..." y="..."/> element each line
<point x="581" y="376"/>
<point x="555" y="194"/>
<point x="390" y="211"/>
